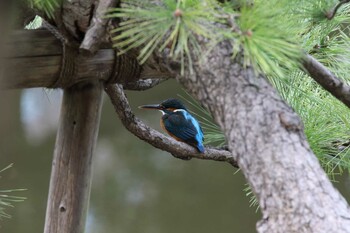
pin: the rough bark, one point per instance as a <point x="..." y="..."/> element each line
<point x="294" y="192"/>
<point x="70" y="181"/>
<point x="96" y="34"/>
<point x="76" y="16"/>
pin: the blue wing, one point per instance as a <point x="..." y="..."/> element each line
<point x="185" y="127"/>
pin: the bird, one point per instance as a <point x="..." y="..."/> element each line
<point x="179" y="123"/>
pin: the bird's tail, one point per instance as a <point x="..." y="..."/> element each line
<point x="200" y="147"/>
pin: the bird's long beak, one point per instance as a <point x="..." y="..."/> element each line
<point x="151" y="106"/>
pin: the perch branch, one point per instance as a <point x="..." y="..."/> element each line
<point x="327" y="79"/>
<point x="156" y="139"/>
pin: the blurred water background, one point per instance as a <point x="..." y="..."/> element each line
<point x="135" y="188"/>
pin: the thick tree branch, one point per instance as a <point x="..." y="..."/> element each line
<point x="75" y="16"/>
<point x="156" y="139"/>
<point x="327" y="79"/>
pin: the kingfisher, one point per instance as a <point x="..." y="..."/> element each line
<point x="179" y="123"/>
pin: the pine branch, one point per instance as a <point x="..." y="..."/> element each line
<point x="7" y="200"/>
<point x="156" y="139"/>
<point x="327" y="79"/>
<point x="330" y="14"/>
<point x="169" y="26"/>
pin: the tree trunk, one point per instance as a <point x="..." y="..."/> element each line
<point x="294" y="192"/>
<point x="71" y="167"/>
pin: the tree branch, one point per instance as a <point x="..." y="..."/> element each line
<point x="143" y="85"/>
<point x="327" y="79"/>
<point x="74" y="17"/>
<point x="94" y="35"/>
<point x="330" y="14"/>
<point x="156" y="139"/>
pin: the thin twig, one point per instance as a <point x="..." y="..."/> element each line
<point x="330" y="14"/>
<point x="138" y="128"/>
<point x="327" y="79"/>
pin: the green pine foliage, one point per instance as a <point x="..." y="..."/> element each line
<point x="252" y="198"/>
<point x="176" y="25"/>
<point x="268" y="37"/>
<point x="7" y="200"/>
<point x="326" y="121"/>
<point x="212" y="132"/>
<point x="46" y="6"/>
<point x="171" y="25"/>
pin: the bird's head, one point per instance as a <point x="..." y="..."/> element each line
<point x="169" y="105"/>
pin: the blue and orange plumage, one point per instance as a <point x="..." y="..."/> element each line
<point x="179" y="123"/>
